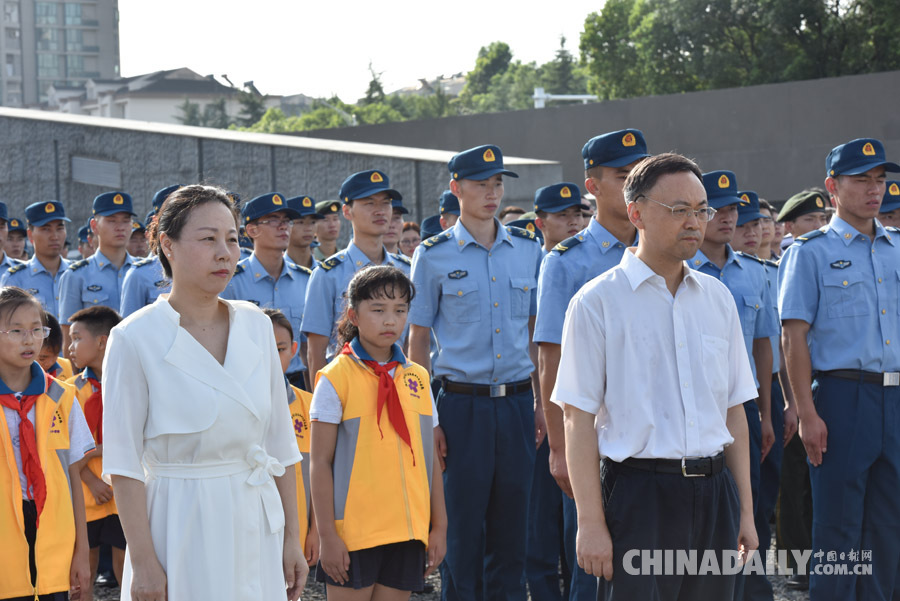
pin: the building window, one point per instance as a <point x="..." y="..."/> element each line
<point x="73" y="14"/>
<point x="48" y="38"/>
<point x="13" y="65"/>
<point x="11" y="13"/>
<point x="45" y="13"/>
<point x="48" y="66"/>
<point x="74" y="40"/>
<point x="75" y="65"/>
<point x="13" y="39"/>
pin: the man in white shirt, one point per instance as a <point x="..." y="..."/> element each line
<point x="652" y="377"/>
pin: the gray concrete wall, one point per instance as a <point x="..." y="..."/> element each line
<point x="36" y="151"/>
<point x="774" y="137"/>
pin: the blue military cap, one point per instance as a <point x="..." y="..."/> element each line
<point x="245" y="241"/>
<point x="748" y="208"/>
<point x="397" y="205"/>
<point x="305" y="205"/>
<point x="110" y="203"/>
<point x="149" y="218"/>
<point x="530" y="225"/>
<point x="431" y="226"/>
<point x="83" y="233"/>
<point x="721" y="188"/>
<point x="449" y="203"/>
<point x="857" y="156"/>
<point x="137" y="226"/>
<point x="891" y="201"/>
<point x="16" y="225"/>
<point x="40" y="213"/>
<point x="478" y="163"/>
<point x="558" y="197"/>
<point x="366" y="183"/>
<point x="4" y="212"/>
<point x="161" y="195"/>
<point x="615" y="149"/>
<point x="266" y="204"/>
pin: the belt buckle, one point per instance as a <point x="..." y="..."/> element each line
<point x="891" y="378"/>
<point x="498" y="390"/>
<point x="684" y="468"/>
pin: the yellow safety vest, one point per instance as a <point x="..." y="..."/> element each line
<point x="382" y="492"/>
<point x="93" y="512"/>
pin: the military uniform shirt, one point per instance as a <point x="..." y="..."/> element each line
<point x="143" y="284"/>
<point x="7" y="262"/>
<point x="478" y="302"/>
<point x="327" y="290"/>
<point x="772" y="276"/>
<point x="746" y="278"/>
<point x="846" y="287"/>
<point x="92" y="281"/>
<point x="33" y="277"/>
<point x="569" y="266"/>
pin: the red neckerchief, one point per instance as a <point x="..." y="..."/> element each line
<point x="31" y="461"/>
<point x="93" y="411"/>
<point x="387" y="395"/>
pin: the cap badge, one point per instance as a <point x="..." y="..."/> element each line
<point x="868" y="149"/>
<point x="628" y="139"/>
<point x="894" y="190"/>
<point x="307" y="202"/>
<point x="819" y="202"/>
<point x="724" y="182"/>
<point x="565" y="192"/>
<point x="49" y="208"/>
<point x="488" y="156"/>
<point x="14" y="223"/>
<point x="334" y="208"/>
<point x="276" y="200"/>
<point x="118" y="200"/>
<point x="745" y="198"/>
<point x="376" y="178"/>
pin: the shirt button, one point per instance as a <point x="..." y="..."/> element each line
<point x="887" y="341"/>
<point x="883" y="311"/>
<point x="496" y="304"/>
<point x="685" y="384"/>
<point x="493" y="279"/>
<point x="459" y="293"/>
<point x="879" y="280"/>
<point x="95" y="301"/>
<point x="498" y="354"/>
<point x="756" y="306"/>
<point x="526" y="288"/>
<point x="490" y="254"/>
<point x="844" y="282"/>
<point x="497" y="330"/>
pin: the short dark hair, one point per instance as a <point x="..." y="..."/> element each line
<point x="55" y="339"/>
<point x="411" y="225"/>
<point x="765" y="204"/>
<point x="279" y="319"/>
<point x="175" y="211"/>
<point x="377" y="281"/>
<point x="646" y="173"/>
<point x="596" y="172"/>
<point x="98" y="320"/>
<point x="13" y="297"/>
<point x="511" y="209"/>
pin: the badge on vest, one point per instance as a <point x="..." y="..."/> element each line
<point x="841" y="264"/>
<point x="95" y="287"/>
<point x="161" y="284"/>
<point x="458" y="274"/>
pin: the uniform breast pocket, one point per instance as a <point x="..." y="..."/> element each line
<point x="459" y="300"/>
<point x="750" y="313"/>
<point x="94" y="297"/>
<point x="844" y="294"/>
<point x="520" y="293"/>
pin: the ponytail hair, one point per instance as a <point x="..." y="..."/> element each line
<point x="377" y="281"/>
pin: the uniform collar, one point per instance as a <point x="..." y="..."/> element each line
<point x="89" y="373"/>
<point x="103" y="261"/>
<point x="36" y="266"/>
<point x="6" y="261"/>
<point x="847" y="233"/>
<point x="464" y="238"/>
<point x="601" y="235"/>
<point x="38" y="384"/>
<point x="639" y="272"/>
<point x="359" y="258"/>
<point x="701" y="259"/>
<point x="358" y="350"/>
<point x="259" y="272"/>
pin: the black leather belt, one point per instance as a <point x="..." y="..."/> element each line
<point x="889" y="378"/>
<point x="497" y="390"/>
<point x="689" y="467"/>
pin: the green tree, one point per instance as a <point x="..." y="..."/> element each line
<point x="216" y="115"/>
<point x="253" y="107"/>
<point x="492" y="61"/>
<point x="562" y="75"/>
<point x="189" y="113"/>
<point x="375" y="91"/>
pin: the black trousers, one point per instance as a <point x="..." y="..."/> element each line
<point x="29" y="512"/>
<point x="648" y="511"/>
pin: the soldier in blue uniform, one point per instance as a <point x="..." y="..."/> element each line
<point x="41" y="274"/>
<point x="15" y="240"/>
<point x="328" y="230"/>
<point x="303" y="233"/>
<point x="608" y="159"/>
<point x="449" y="210"/>
<point x="138" y="247"/>
<point x="889" y="214"/>
<point x="5" y="261"/>
<point x="98" y="279"/>
<point x="85" y="237"/>
<point x="392" y="236"/>
<point x="838" y="297"/>
<point x="475" y="288"/>
<point x="367" y="198"/>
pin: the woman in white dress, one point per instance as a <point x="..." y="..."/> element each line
<point x="197" y="433"/>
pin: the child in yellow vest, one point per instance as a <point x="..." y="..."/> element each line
<point x="299" y="406"/>
<point x="376" y="482"/>
<point x="56" y="366"/>
<point x="43" y="443"/>
<point x="88" y="332"/>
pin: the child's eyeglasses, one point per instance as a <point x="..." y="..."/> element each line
<point x="20" y="335"/>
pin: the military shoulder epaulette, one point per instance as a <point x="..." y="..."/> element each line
<point x="521" y="232"/>
<point x="772" y="263"/>
<point x="17" y="267"/>
<point x="144" y="261"/>
<point x="434" y="240"/>
<point x="809" y="236"/>
<point x="744" y="255"/>
<point x="891" y="228"/>
<point x="568" y="243"/>
<point x="301" y="268"/>
<point x="238" y="269"/>
<point x="78" y="264"/>
<point x="333" y="260"/>
<point x="402" y="258"/>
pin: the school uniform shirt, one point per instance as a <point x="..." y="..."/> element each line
<point x="326" y="293"/>
<point x="746" y="279"/>
<point x="846" y="286"/>
<point x="143" y="284"/>
<point x="478" y="302"/>
<point x="251" y="282"/>
<point x="662" y="381"/>
<point x="89" y="282"/>
<point x="207" y="440"/>
<point x="34" y="278"/>
<point x="565" y="269"/>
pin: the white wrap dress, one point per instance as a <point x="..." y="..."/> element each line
<point x="207" y="440"/>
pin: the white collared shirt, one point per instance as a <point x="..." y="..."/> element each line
<point x="658" y="371"/>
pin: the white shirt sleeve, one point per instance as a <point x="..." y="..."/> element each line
<point x="326" y="405"/>
<point x="581" y="379"/>
<point x="81" y="441"/>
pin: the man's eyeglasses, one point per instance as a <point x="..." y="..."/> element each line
<point x="682" y="212"/>
<point x="20" y="335"/>
<point x="283" y="222"/>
